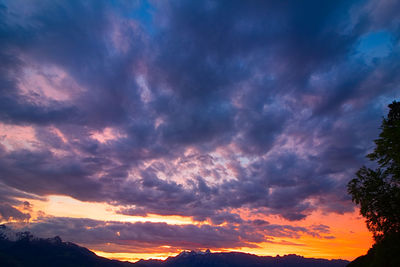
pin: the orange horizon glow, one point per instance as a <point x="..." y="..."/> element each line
<point x="141" y="129"/>
<point x="352" y="238"/>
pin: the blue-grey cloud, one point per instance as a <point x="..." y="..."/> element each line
<point x="138" y="236"/>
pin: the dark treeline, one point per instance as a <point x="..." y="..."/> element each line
<point x="377" y="192"/>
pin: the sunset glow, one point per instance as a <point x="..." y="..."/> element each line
<point x="350" y="234"/>
<point x="141" y="129"/>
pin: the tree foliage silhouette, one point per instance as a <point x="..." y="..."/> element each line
<point x="377" y="191"/>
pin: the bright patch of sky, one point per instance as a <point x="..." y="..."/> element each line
<point x="141" y="11"/>
<point x="374" y="45"/>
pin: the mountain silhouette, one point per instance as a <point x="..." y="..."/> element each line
<point x="238" y="259"/>
<point x="27" y="250"/>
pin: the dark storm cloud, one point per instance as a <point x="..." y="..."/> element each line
<point x="8" y="199"/>
<point x="43" y="173"/>
<point x="11" y="198"/>
<point x="8" y="212"/>
<point x="279" y="101"/>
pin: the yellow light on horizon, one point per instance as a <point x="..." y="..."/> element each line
<point x="352" y="238"/>
<point x="65" y="206"/>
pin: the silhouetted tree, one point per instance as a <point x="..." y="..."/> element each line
<point x="377" y="191"/>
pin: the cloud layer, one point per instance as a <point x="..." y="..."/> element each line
<point x="193" y="108"/>
<point x="136" y="237"/>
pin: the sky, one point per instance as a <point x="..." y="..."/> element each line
<point x="143" y="128"/>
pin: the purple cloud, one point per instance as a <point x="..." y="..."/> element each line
<point x="154" y="235"/>
<point x="194" y="108"/>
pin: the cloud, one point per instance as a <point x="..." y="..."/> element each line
<point x="7" y="212"/>
<point x="9" y="200"/>
<point x="208" y="107"/>
<point x="144" y="235"/>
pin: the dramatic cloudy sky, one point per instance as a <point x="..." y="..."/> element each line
<point x="141" y="128"/>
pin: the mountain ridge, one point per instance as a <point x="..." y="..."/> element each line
<point x="236" y="259"/>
